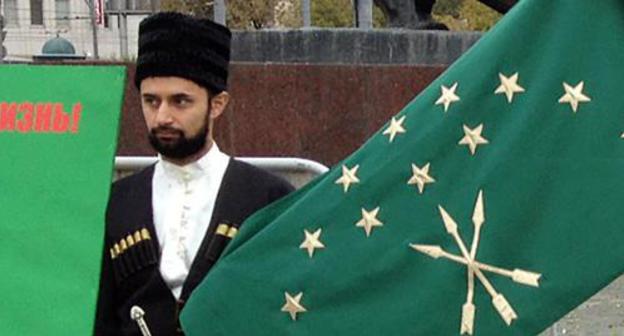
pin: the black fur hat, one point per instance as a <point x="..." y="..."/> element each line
<point x="178" y="45"/>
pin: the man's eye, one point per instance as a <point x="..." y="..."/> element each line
<point x="183" y="101"/>
<point x="150" y="101"/>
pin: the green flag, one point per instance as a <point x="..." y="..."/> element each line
<point x="490" y="205"/>
<point x="58" y="129"/>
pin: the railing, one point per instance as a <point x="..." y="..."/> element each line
<point x="296" y="170"/>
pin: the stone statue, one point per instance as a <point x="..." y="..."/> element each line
<point x="416" y="14"/>
<point x="501" y="6"/>
<point x="411" y="14"/>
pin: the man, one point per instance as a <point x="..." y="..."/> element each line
<point x="167" y="225"/>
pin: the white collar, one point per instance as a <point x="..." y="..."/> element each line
<point x="194" y="170"/>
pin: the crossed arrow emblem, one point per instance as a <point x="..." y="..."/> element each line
<point x="474" y="267"/>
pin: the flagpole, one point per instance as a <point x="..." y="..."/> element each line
<point x="91" y="5"/>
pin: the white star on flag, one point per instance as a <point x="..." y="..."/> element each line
<point x="448" y="96"/>
<point x="574" y="95"/>
<point x="293" y="305"/>
<point x="369" y="220"/>
<point x="312" y="241"/>
<point x="509" y="86"/>
<point x="420" y="177"/>
<point x="396" y="127"/>
<point x="348" y="177"/>
<point x="473" y="138"/>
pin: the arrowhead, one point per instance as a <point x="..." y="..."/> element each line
<point x="478" y="216"/>
<point x="449" y="223"/>
<point x="434" y="251"/>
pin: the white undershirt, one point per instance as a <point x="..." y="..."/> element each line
<point x="183" y="199"/>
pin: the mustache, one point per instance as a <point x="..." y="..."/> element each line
<point x="166" y="129"/>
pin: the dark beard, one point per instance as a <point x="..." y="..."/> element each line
<point x="183" y="147"/>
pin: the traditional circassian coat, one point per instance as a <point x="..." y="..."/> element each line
<point x="130" y="267"/>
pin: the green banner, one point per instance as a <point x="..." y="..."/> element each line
<point x="58" y="131"/>
<point x="490" y="205"/>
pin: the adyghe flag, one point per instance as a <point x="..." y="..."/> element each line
<point x="490" y="205"/>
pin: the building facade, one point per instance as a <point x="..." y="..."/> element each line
<point x="30" y="23"/>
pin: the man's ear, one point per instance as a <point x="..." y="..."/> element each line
<point x="218" y="104"/>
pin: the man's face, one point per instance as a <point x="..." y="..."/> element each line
<point x="176" y="113"/>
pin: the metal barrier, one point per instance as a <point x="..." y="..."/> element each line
<point x="297" y="171"/>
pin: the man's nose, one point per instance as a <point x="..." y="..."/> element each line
<point x="163" y="114"/>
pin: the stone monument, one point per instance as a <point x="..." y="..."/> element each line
<point x="416" y="14"/>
